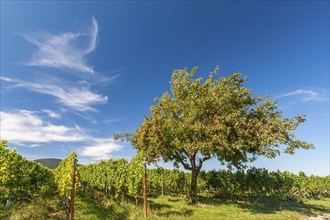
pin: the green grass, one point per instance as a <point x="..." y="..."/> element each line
<point x="267" y="208"/>
<point x="35" y="209"/>
<point x="87" y="208"/>
<point x="170" y="207"/>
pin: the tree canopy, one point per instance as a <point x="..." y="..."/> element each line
<point x="216" y="117"/>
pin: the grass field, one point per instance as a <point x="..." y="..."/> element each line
<point x="170" y="207"/>
<point x="269" y="208"/>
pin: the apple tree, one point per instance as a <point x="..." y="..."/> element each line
<point x="214" y="118"/>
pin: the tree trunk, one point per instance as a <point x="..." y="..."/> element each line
<point x="193" y="186"/>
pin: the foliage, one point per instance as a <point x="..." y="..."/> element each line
<point x="257" y="182"/>
<point x="167" y="181"/>
<point x="256" y="191"/>
<point x="20" y="179"/>
<point x="253" y="182"/>
<point x="135" y="174"/>
<point x="115" y="177"/>
<point x="63" y="177"/>
<point x="216" y="117"/>
<point x="242" y="183"/>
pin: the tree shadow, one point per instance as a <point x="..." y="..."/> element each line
<point x="157" y="206"/>
<point x="87" y="206"/>
<point x="268" y="205"/>
<point x="173" y="200"/>
<point x="169" y="210"/>
<point x="180" y="213"/>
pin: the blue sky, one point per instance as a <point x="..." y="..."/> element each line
<point x="74" y="73"/>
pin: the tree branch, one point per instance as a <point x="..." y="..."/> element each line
<point x="178" y="157"/>
<point x="192" y="159"/>
<point x="201" y="161"/>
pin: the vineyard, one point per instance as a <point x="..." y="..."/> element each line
<point x="120" y="182"/>
<point x="119" y="178"/>
<point x="21" y="179"/>
<point x="164" y="110"/>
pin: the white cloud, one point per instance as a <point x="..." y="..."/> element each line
<point x="101" y="149"/>
<point x="306" y="95"/>
<point x="51" y="113"/>
<point x="77" y="98"/>
<point x="23" y="127"/>
<point x="66" y="50"/>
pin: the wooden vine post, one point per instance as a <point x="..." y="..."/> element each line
<point x="73" y="187"/>
<point x="162" y="184"/>
<point x="144" y="187"/>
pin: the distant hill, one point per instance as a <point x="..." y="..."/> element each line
<point x="51" y="163"/>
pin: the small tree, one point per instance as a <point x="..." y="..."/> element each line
<point x="217" y="118"/>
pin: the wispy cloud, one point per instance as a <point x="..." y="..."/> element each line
<point x="112" y="120"/>
<point x="51" y="113"/>
<point x="66" y="50"/>
<point x="23" y="127"/>
<point x="77" y="98"/>
<point x="35" y="145"/>
<point x="306" y="95"/>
